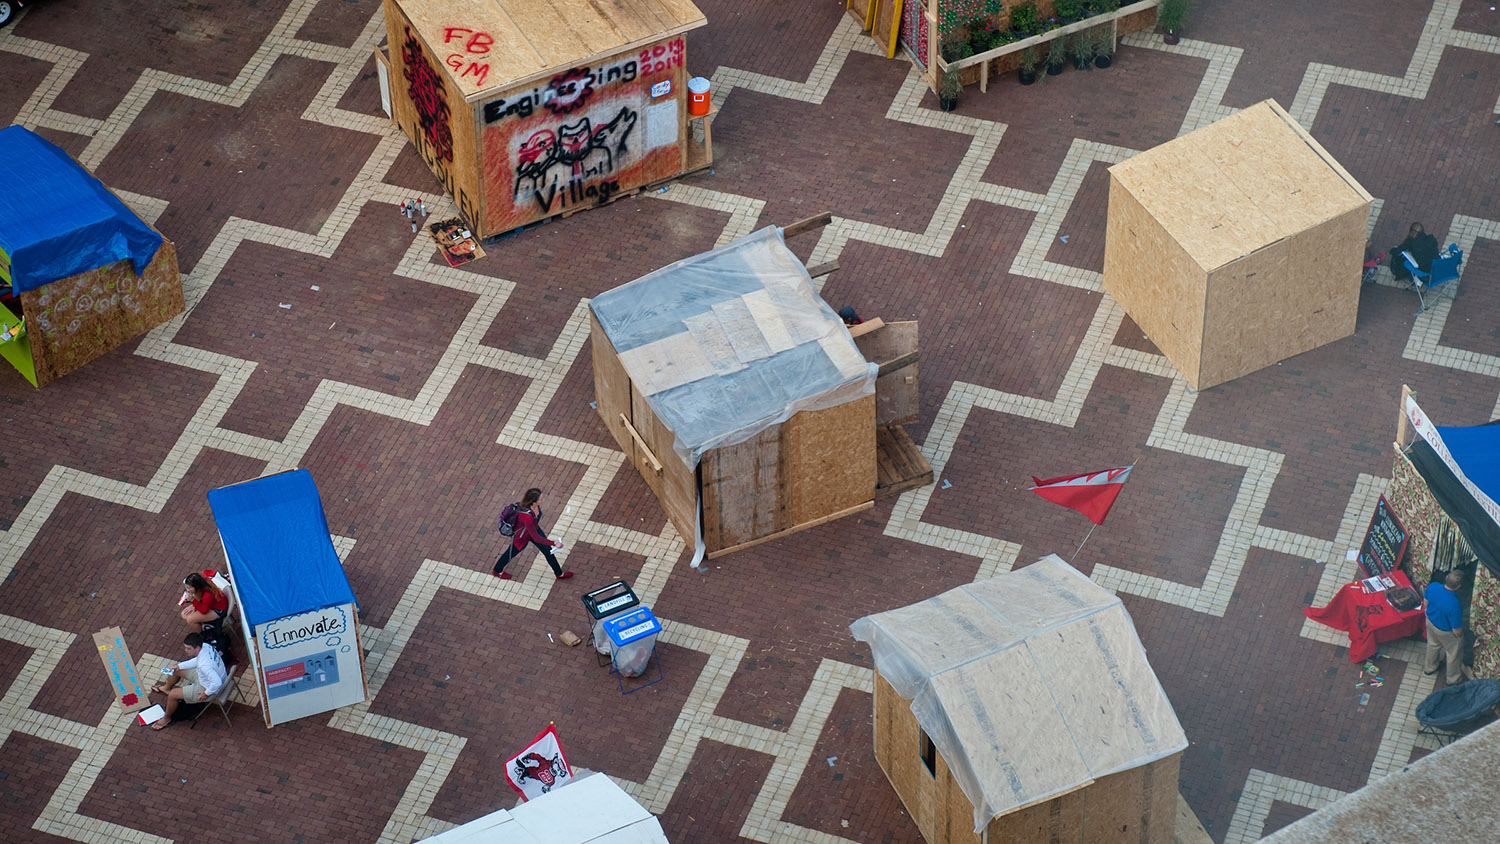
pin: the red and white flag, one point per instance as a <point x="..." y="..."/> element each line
<point x="539" y="768"/>
<point x="1091" y="493"/>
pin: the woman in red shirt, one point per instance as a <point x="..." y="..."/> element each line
<point x="209" y="604"/>
<point x="529" y="529"/>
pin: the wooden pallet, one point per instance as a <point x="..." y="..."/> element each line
<point x="899" y="464"/>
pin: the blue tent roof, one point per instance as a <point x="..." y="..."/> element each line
<point x="57" y="220"/>
<point x="1477" y="452"/>
<point x="280" y="554"/>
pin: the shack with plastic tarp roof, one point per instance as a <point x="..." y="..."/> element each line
<point x="526" y="109"/>
<point x="741" y="396"/>
<point x="291" y="596"/>
<point x="1022" y="708"/>
<point x="80" y="273"/>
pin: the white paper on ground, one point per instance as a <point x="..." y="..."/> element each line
<point x="152" y="715"/>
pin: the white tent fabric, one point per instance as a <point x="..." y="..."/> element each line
<point x="589" y="810"/>
<point x="1031" y="684"/>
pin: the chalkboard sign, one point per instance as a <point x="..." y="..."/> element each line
<point x="1384" y="543"/>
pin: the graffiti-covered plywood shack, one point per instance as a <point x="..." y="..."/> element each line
<point x="1236" y="245"/>
<point x="525" y="109"/>
<point x="738" y="393"/>
<point x="80" y="273"/>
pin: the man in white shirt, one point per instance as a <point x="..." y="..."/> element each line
<point x="201" y="676"/>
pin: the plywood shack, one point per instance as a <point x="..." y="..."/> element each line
<point x="1022" y="708"/>
<point x="84" y="271"/>
<point x="741" y="397"/>
<point x="525" y="109"/>
<point x="1237" y="245"/>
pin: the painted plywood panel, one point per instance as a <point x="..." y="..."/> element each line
<point x="583" y="136"/>
<point x="432" y="112"/>
<point x="80" y="318"/>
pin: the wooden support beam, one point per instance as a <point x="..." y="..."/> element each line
<point x="823" y="269"/>
<point x="804" y="526"/>
<point x="817" y="221"/>
<point x="898" y="363"/>
<point x="641" y="444"/>
<point x="866" y="327"/>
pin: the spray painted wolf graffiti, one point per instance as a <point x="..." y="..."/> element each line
<point x="576" y="146"/>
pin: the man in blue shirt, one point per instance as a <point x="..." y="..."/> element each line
<point x="1445" y="627"/>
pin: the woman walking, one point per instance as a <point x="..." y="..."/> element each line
<point x="526" y="526"/>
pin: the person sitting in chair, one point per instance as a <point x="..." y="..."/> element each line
<point x="206" y="602"/>
<point x="201" y="676"/>
<point x="1422" y="247"/>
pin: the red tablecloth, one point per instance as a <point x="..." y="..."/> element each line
<point x="1369" y="618"/>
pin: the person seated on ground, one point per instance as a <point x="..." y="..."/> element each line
<point x="201" y="676"/>
<point x="1423" y="248"/>
<point x="207" y="603"/>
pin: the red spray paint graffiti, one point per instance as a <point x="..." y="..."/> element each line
<point x="427" y="95"/>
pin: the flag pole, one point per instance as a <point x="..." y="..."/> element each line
<point x="1081" y="544"/>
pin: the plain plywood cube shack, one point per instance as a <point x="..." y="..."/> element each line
<point x="739" y="394"/>
<point x="1236" y="245"/>
<point x="1022" y="708"/>
<point x="525" y="109"/>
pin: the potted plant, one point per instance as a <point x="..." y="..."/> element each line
<point x="1023" y="20"/>
<point x="1068" y="10"/>
<point x="1104" y="46"/>
<point x="948" y="90"/>
<point x="1106" y="6"/>
<point x="1057" y="53"/>
<point x="1170" y="16"/>
<point x="1027" y="71"/>
<point x="1083" y="51"/>
<point x="952" y="51"/>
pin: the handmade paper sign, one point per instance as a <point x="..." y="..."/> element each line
<point x="121" y="669"/>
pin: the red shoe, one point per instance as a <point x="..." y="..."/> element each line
<point x="565" y="575"/>
<point x="503" y="575"/>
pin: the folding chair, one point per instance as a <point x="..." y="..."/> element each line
<point x="1444" y="271"/>
<point x="221" y="698"/>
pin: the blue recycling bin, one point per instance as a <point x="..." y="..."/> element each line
<point x="632" y="639"/>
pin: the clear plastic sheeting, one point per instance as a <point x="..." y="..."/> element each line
<point x="728" y="343"/>
<point x="1031" y="684"/>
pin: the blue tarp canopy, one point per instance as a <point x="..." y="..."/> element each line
<point x="1477" y="452"/>
<point x="57" y="220"/>
<point x="277" y="541"/>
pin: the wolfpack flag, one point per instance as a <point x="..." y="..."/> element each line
<point x="1091" y="493"/>
<point x="539" y="768"/>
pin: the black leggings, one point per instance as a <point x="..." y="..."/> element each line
<point x="512" y="551"/>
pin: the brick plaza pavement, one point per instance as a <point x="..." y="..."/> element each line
<point x="422" y="398"/>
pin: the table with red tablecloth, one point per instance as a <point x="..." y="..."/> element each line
<point x="1369" y="618"/>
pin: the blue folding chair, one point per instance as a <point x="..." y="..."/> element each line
<point x="1444" y="271"/>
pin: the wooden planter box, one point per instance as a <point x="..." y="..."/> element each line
<point x="744" y="403"/>
<point x="1005" y="58"/>
<point x="1237" y="245"/>
<point x="521" y="120"/>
